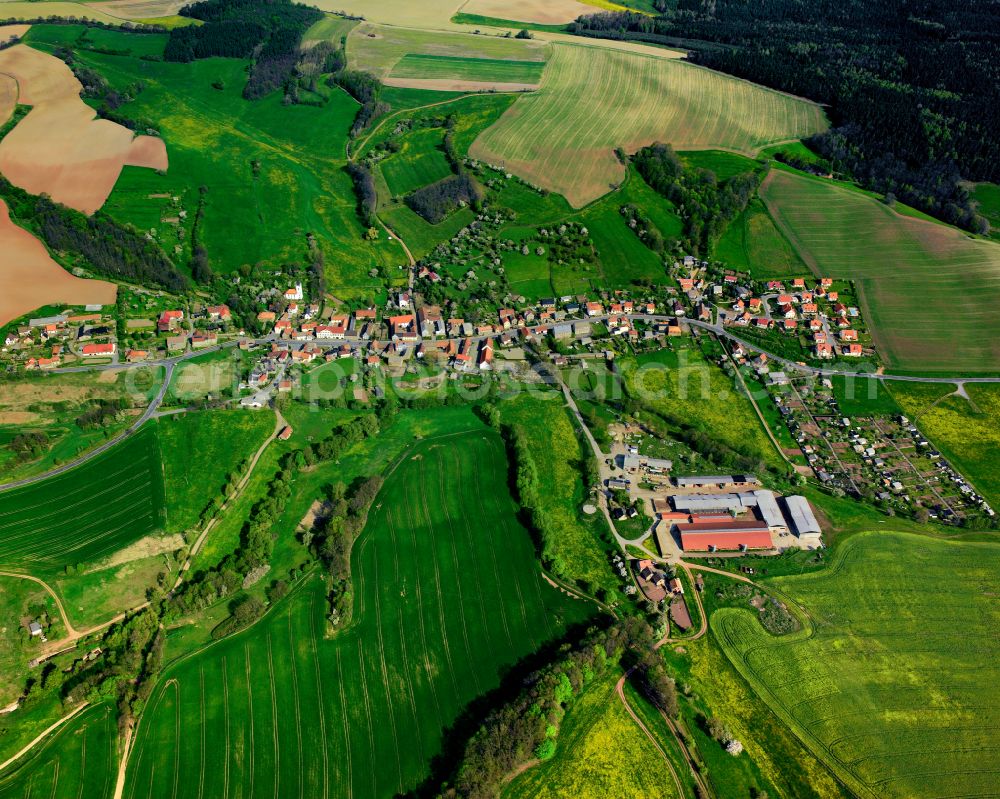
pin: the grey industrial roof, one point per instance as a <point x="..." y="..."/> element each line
<point x="767" y="507"/>
<point x="707" y="479"/>
<point x="802" y="517"/>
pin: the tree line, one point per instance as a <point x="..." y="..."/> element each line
<point x="111" y="248"/>
<point x="706" y="205"/>
<point x="267" y="31"/>
<point x="526" y="725"/>
<point x="912" y="87"/>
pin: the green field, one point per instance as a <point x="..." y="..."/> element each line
<point x="966" y="431"/>
<point x="891" y="685"/>
<point x="22" y="599"/>
<point x="78" y="761"/>
<point x="271" y="172"/>
<point x="379" y="49"/>
<point x="485" y="70"/>
<point x="929" y="291"/>
<point x="87" y="513"/>
<point x="722" y="164"/>
<point x="859" y="396"/>
<point x="601" y="752"/>
<point x="752" y="243"/>
<point x="447" y="592"/>
<point x="685" y="389"/>
<point x="557" y="452"/>
<point x="563" y="137"/>
<point x="987" y="195"/>
<point x="81" y="37"/>
<point x="330" y="29"/>
<point x="420" y="160"/>
<point x="201" y="452"/>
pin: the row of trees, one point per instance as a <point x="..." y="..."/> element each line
<point x="268" y="31"/>
<point x="366" y="89"/>
<point x="706" y="205"/>
<point x="435" y="201"/>
<point x="912" y="88"/>
<point x="112" y="248"/>
<point x="526" y="726"/>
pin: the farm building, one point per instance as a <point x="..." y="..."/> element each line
<point x="728" y="535"/>
<point x="708" y="503"/>
<point x="716" y="480"/>
<point x="34" y="628"/>
<point x="803" y="519"/>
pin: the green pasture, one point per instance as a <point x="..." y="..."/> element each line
<point x="330" y="29"/>
<point x="419" y="234"/>
<point x="202" y="452"/>
<point x="79" y="760"/>
<point x="563" y="136"/>
<point x="19" y="600"/>
<point x="82" y="37"/>
<point x="987" y="197"/>
<point x="557" y="453"/>
<point x="890" y="685"/>
<point x="271" y="173"/>
<point x="722" y="164"/>
<point x="861" y="396"/>
<point x="87" y="513"/>
<point x="420" y="161"/>
<point x="447" y="592"/>
<point x="600" y="752"/>
<point x="485" y="70"/>
<point x="753" y="243"/>
<point x="928" y="291"/>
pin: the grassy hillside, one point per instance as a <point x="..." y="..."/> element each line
<point x="447" y="592"/>
<point x="930" y="290"/>
<point x="753" y="243"/>
<point x="487" y="70"/>
<point x="271" y="173"/>
<point x="201" y="452"/>
<point x="891" y="686"/>
<point x="686" y="390"/>
<point x="593" y="100"/>
<point x="556" y="452"/>
<point x="601" y="753"/>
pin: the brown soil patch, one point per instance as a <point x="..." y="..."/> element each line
<point x="8" y="97"/>
<point x="147" y="547"/>
<point x="148" y="151"/>
<point x="551" y="12"/>
<point x="107" y="376"/>
<point x="8" y="32"/>
<point x="31" y="279"/>
<point x="139" y="9"/>
<point x="59" y="148"/>
<point x="18" y="417"/>
<point x="448" y="85"/>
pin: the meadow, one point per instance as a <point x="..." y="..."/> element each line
<point x="601" y="752"/>
<point x="447" y="592"/>
<point x="202" y="453"/>
<point x="380" y="49"/>
<point x="987" y="196"/>
<point x="929" y="291"/>
<point x="563" y="136"/>
<point x="892" y="689"/>
<point x="966" y="431"/>
<point x="752" y="243"/>
<point x="87" y="513"/>
<point x="686" y="390"/>
<point x="557" y="454"/>
<point x="420" y="160"/>
<point x="482" y="70"/>
<point x="79" y="760"/>
<point x="22" y="599"/>
<point x="271" y="172"/>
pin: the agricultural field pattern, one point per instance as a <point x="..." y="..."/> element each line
<point x="499" y="399"/>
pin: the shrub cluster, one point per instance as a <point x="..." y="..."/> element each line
<point x="436" y="201"/>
